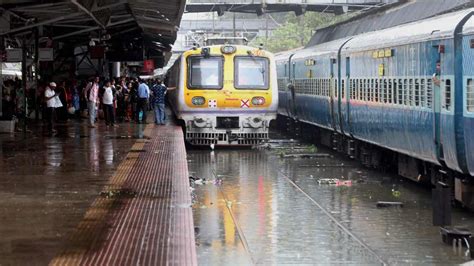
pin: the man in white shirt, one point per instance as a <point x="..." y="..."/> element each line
<point x="108" y="104"/>
<point x="91" y="93"/>
<point x="52" y="102"/>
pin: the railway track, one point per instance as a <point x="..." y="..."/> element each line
<point x="314" y="203"/>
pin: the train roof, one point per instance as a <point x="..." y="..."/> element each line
<point x="388" y="16"/>
<point x="331" y="48"/>
<point x="440" y="27"/>
<point x="317" y="50"/>
<point x="285" y="54"/>
<point x="239" y="47"/>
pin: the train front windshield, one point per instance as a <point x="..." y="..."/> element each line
<point x="251" y="73"/>
<point x="205" y="73"/>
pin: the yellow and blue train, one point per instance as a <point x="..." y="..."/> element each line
<point x="226" y="94"/>
<point x="402" y="96"/>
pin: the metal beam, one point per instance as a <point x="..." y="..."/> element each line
<point x="170" y="28"/>
<point x="88" y="12"/>
<point x="38" y="6"/>
<point x="53" y="11"/>
<point x="92" y="16"/>
<point x="42" y="23"/>
<point x="76" y="32"/>
<point x="70" y="26"/>
<point x="91" y="29"/>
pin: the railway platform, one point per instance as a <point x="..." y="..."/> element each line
<point x="97" y="197"/>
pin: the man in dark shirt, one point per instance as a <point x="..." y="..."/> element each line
<point x="159" y="92"/>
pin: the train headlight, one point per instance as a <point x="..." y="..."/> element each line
<point x="228" y="49"/>
<point x="198" y="100"/>
<point x="258" y="100"/>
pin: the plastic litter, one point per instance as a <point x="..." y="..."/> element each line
<point x="386" y="204"/>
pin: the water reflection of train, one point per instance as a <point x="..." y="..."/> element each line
<point x="402" y="96"/>
<point x="226" y="94"/>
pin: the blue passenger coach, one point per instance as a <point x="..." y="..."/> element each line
<point x="402" y="96"/>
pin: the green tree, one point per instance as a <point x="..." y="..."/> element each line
<point x="297" y="31"/>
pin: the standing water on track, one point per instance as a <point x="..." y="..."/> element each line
<point x="277" y="207"/>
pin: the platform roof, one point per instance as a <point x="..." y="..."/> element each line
<point x="156" y="21"/>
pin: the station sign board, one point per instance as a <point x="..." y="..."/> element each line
<point x="148" y="66"/>
<point x="46" y="54"/>
<point x="14" y="55"/>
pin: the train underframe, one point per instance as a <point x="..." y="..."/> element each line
<point x="227" y="130"/>
<point x="375" y="157"/>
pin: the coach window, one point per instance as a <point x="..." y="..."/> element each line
<point x="376" y="91"/>
<point x="423" y="93"/>
<point x="388" y="85"/>
<point x="251" y="72"/>
<point x="368" y="90"/>
<point x="205" y="73"/>
<point x="470" y="95"/>
<point x="447" y="95"/>
<point x="395" y="91"/>
<point x="417" y="93"/>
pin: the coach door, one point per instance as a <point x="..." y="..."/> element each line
<point x="437" y="100"/>
<point x="333" y="96"/>
<point x="291" y="89"/>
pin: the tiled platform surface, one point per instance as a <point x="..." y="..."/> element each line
<point x="144" y="215"/>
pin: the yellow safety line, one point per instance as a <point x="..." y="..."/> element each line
<point x="94" y="223"/>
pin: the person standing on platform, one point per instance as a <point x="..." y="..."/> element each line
<point x="133" y="98"/>
<point x="91" y="93"/>
<point x="52" y="102"/>
<point x="159" y="92"/>
<point x="108" y="104"/>
<point x="142" y="105"/>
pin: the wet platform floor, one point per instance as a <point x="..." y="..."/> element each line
<point x="264" y="209"/>
<point x="48" y="183"/>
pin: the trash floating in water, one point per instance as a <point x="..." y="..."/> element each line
<point x="281" y="141"/>
<point x="327" y="181"/>
<point x="118" y="193"/>
<point x="346" y="183"/>
<point x="264" y="146"/>
<point x="202" y="181"/>
<point x="386" y="204"/>
<point x="396" y="193"/>
<point x="306" y="155"/>
<point x="334" y="181"/>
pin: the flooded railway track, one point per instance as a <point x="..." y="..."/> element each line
<point x="333" y="219"/>
<point x="274" y="209"/>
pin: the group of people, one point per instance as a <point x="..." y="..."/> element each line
<point x="13" y="102"/>
<point x="120" y="100"/>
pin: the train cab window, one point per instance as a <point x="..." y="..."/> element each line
<point x="447" y="95"/>
<point x="470" y="95"/>
<point x="205" y="73"/>
<point x="251" y="72"/>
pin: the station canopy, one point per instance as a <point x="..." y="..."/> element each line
<point x="151" y="23"/>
